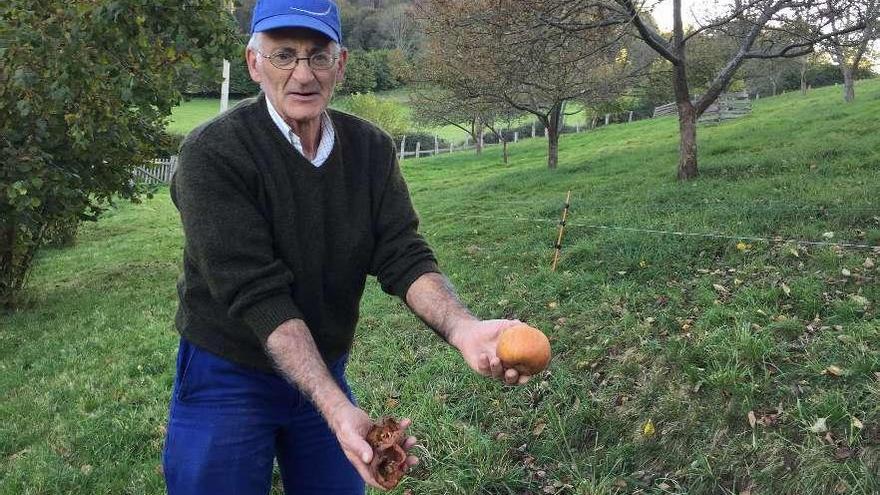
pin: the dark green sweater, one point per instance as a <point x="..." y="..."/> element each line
<point x="270" y="237"/>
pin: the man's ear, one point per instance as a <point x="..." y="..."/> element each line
<point x="340" y="71"/>
<point x="251" y="57"/>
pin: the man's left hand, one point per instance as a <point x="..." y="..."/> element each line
<point x="477" y="341"/>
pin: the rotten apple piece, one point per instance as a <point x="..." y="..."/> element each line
<point x="389" y="458"/>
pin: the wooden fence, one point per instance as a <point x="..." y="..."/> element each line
<point x="160" y="173"/>
<point x="728" y="106"/>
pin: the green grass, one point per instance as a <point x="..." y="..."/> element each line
<point x="690" y="333"/>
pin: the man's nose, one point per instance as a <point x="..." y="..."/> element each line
<point x="302" y="72"/>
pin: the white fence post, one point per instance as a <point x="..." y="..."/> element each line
<point x="418" y="146"/>
<point x="533" y="129"/>
<point x="515" y="136"/>
<point x="630" y="116"/>
<point x="402" y="147"/>
<point x="436" y="145"/>
<point x="607" y="118"/>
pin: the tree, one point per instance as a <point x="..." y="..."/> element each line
<point x="762" y="29"/>
<point x="85" y="91"/>
<point x="510" y="54"/>
<point x="848" y="50"/>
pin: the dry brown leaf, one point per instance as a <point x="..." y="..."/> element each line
<point x="538" y="429"/>
<point x="845" y="272"/>
<point x="834" y="370"/>
<point x="856" y="422"/>
<point x="869" y="263"/>
<point x="720" y="288"/>
<point x="752" y="419"/>
<point x="786" y="289"/>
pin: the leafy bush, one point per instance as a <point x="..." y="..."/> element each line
<point x="84" y="97"/>
<point x="388" y="115"/>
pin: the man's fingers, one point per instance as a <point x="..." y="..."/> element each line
<point x="409" y="442"/>
<point x="511" y="376"/>
<point x="483" y="364"/>
<point x="412" y="460"/>
<point x="495" y="366"/>
<point x="405" y="423"/>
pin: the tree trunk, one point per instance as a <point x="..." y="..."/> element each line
<point x="504" y="146"/>
<point x="849" y="89"/>
<point x="553" y="123"/>
<point x="7" y="265"/>
<point x="687" y="123"/>
<point x="804" y="79"/>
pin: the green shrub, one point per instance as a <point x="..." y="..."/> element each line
<point x="388" y="115"/>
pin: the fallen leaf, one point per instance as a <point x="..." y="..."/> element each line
<point x="857" y="423"/>
<point x="834" y="370"/>
<point x="869" y="263"/>
<point x="828" y="235"/>
<point x="649" y="430"/>
<point x="643" y="264"/>
<point x="553" y="305"/>
<point x="752" y="419"/>
<point x="786" y="289"/>
<point x="86" y="469"/>
<point x="538" y="429"/>
<point x="392" y="403"/>
<point x="794" y="252"/>
<point x="860" y="300"/>
<point x="841" y="487"/>
<point x="820" y="426"/>
<point x="742" y="246"/>
<point x="843" y="453"/>
<point x="845" y="272"/>
<point x="720" y="288"/>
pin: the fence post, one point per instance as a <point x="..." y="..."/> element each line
<point x="577" y="127"/>
<point x="630" y="117"/>
<point x="533" y="129"/>
<point x="545" y="131"/>
<point x="515" y="136"/>
<point x="436" y="145"/>
<point x="607" y="118"/>
<point x="402" y="147"/>
<point x="482" y="134"/>
<point x="418" y="146"/>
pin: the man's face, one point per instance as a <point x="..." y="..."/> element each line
<point x="300" y="94"/>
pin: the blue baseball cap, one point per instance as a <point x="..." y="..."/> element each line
<point x="319" y="15"/>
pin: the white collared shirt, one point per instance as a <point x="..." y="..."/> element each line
<point x="328" y="135"/>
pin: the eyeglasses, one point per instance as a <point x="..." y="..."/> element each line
<point x="287" y="60"/>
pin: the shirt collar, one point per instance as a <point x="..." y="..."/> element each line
<point x="327" y="138"/>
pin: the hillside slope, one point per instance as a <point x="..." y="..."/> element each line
<point x="691" y="356"/>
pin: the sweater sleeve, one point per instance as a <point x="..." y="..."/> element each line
<point x="229" y="240"/>
<point x="401" y="255"/>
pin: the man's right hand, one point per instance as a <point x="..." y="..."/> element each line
<point x="351" y="425"/>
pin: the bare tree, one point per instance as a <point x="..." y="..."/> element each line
<point x="848" y="50"/>
<point x="436" y="106"/>
<point x="764" y="29"/>
<point x="513" y="54"/>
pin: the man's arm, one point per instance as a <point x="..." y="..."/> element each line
<point x="294" y="353"/>
<point x="432" y="298"/>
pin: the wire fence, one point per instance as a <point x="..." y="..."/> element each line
<point x="670" y="232"/>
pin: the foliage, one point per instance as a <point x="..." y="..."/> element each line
<point x="387" y="114"/>
<point x="374" y="70"/>
<point x="85" y="88"/>
<point x="513" y="57"/>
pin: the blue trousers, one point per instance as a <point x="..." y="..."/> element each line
<point x="228" y="423"/>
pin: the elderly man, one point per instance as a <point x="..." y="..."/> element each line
<point x="286" y="208"/>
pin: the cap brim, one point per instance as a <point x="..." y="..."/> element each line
<point x="296" y="20"/>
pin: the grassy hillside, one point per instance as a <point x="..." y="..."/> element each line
<point x="753" y="366"/>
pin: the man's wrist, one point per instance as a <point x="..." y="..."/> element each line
<point x="454" y="330"/>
